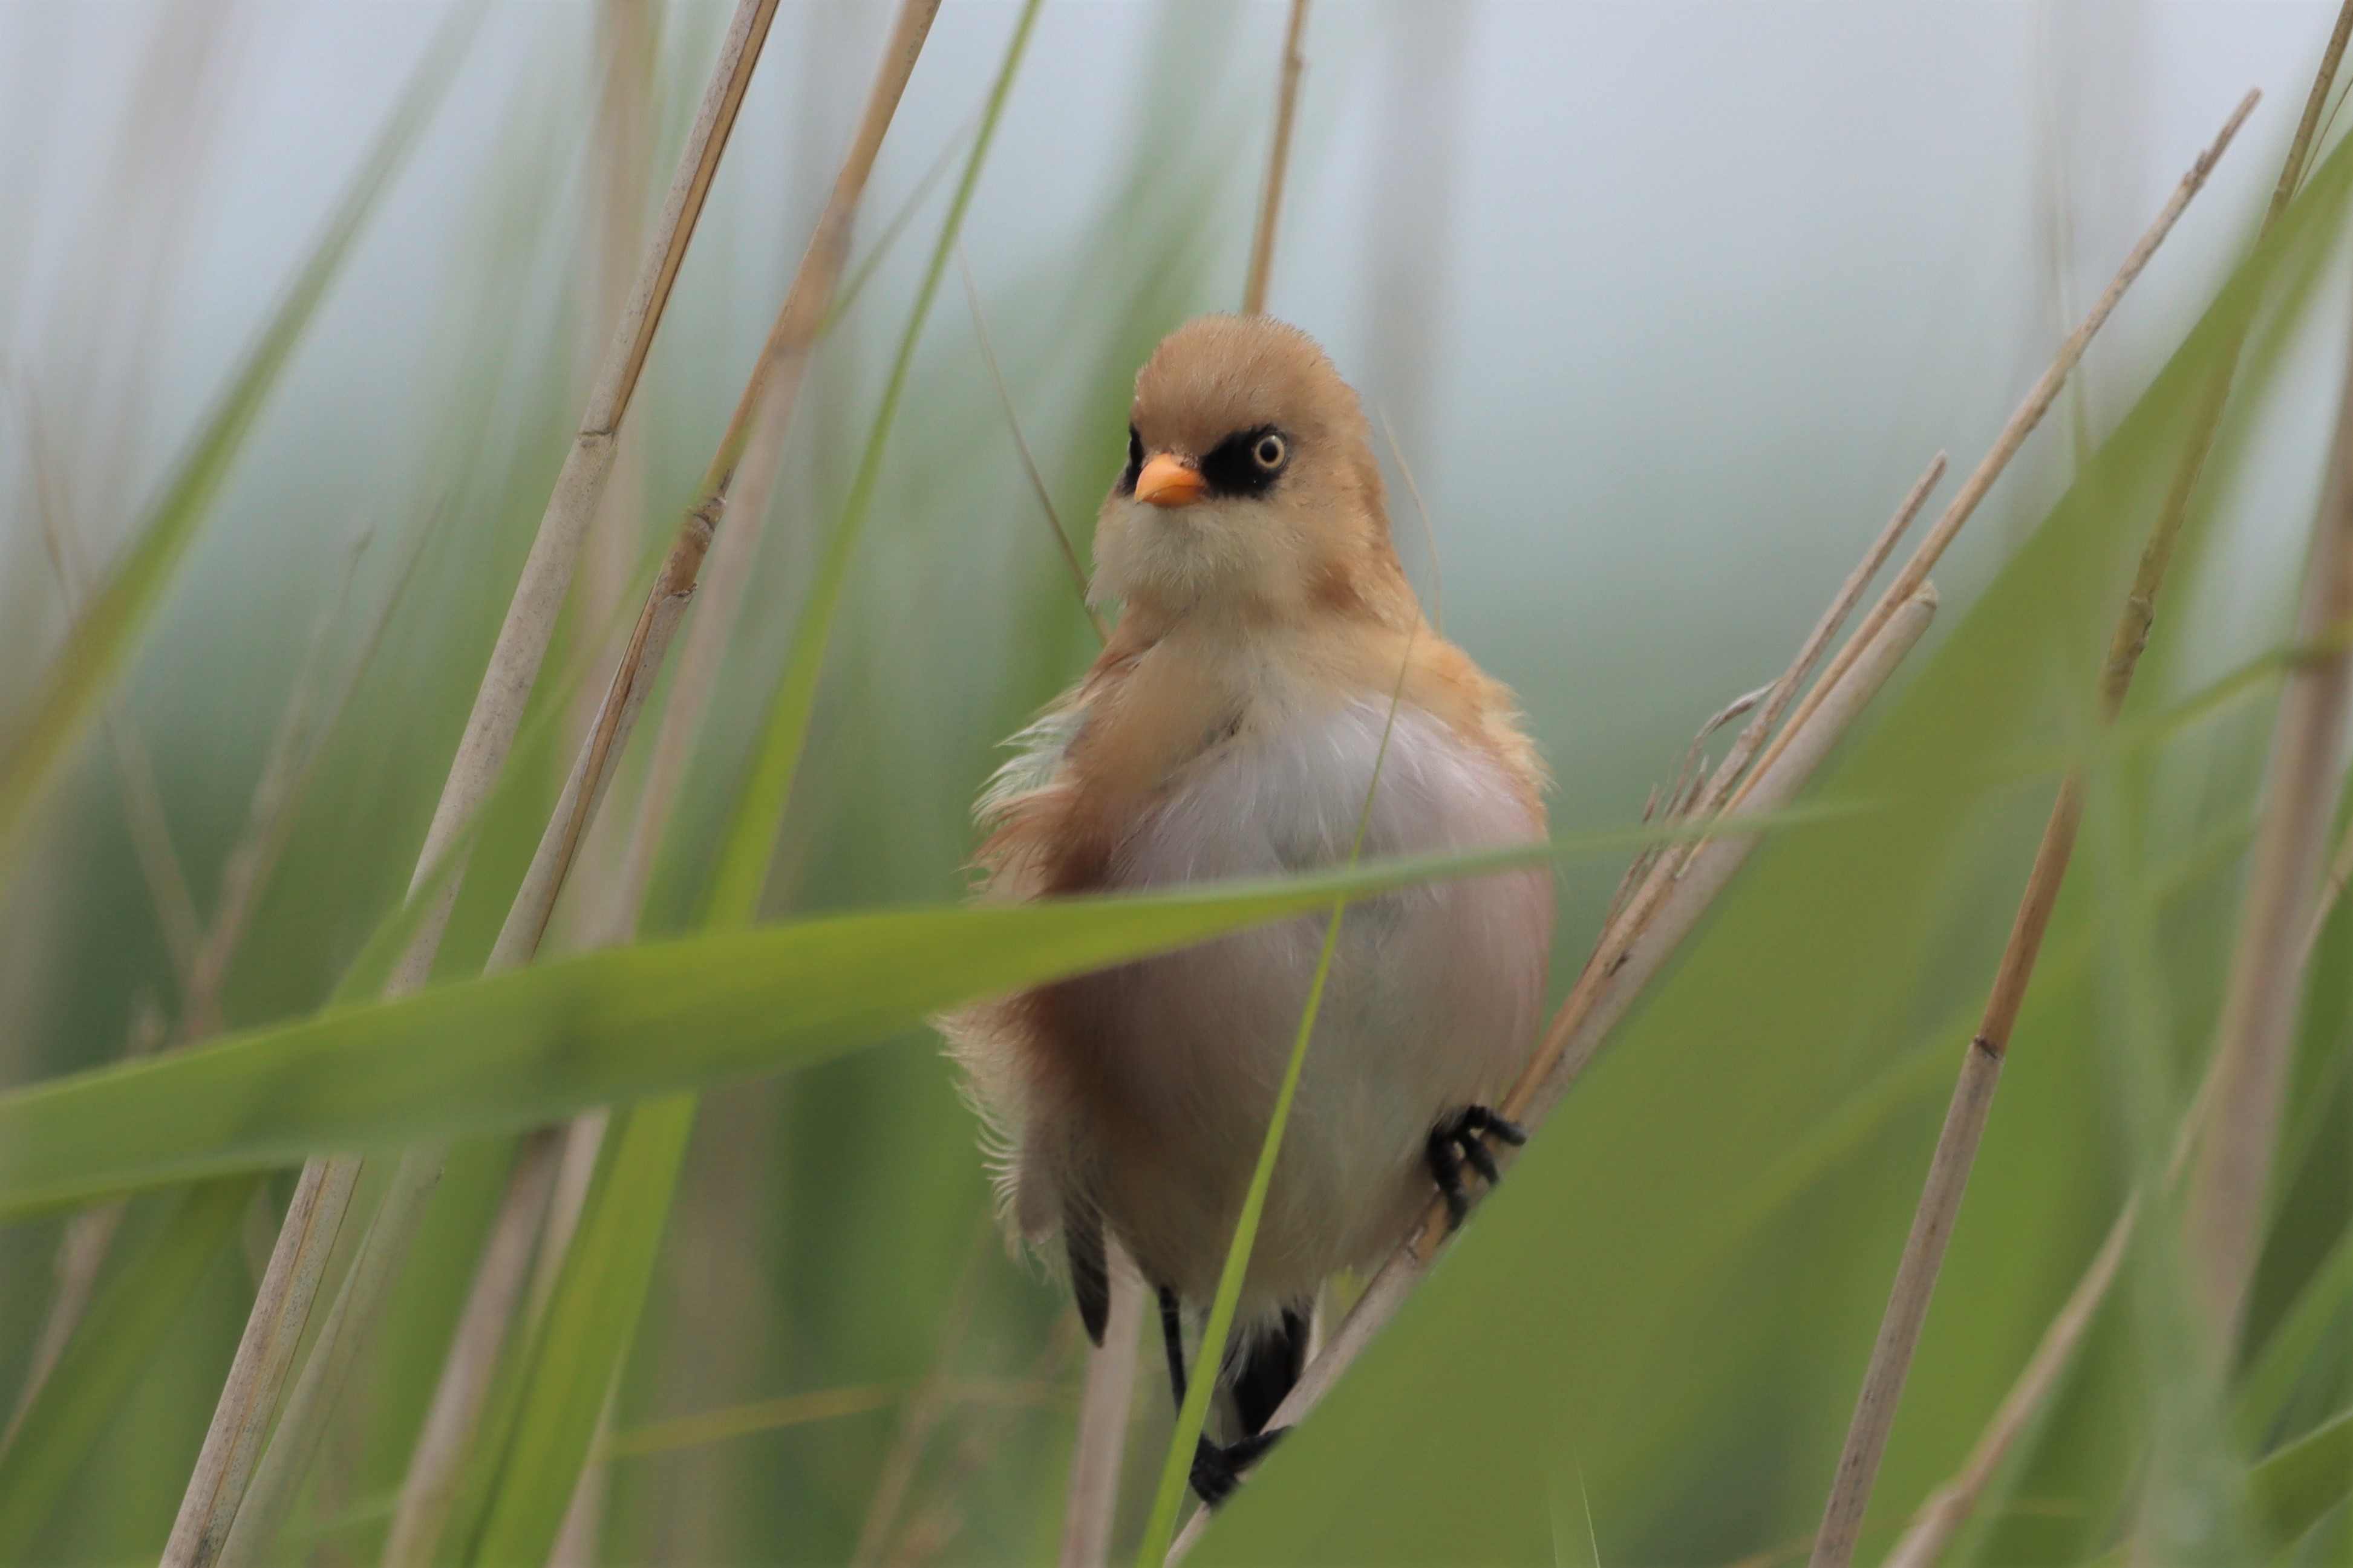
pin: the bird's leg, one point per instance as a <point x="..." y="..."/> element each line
<point x="1172" y="1334"/>
<point x="1216" y="1469"/>
<point x="1462" y="1139"/>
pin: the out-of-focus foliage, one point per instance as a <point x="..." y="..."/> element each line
<point x="1643" y="483"/>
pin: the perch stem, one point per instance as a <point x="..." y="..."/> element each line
<point x="1980" y="1074"/>
<point x="264" y="1354"/>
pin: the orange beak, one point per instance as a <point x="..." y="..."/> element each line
<point x="1169" y="481"/>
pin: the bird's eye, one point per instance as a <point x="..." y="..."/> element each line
<point x="1270" y="452"/>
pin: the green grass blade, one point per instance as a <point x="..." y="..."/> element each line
<point x="608" y="1269"/>
<point x="2293" y="1487"/>
<point x="1176" y="1468"/>
<point x="590" y="1321"/>
<point x="101" y="638"/>
<point x="515" y="1051"/>
<point x="1174" y="1471"/>
<point x="1575" y="1320"/>
<point x="750" y="841"/>
<point x="110" y="1350"/>
<point x="2309" y="1327"/>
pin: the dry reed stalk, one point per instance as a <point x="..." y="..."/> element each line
<point x="134" y="770"/>
<point x="1556" y="1062"/>
<point x="1573" y="1035"/>
<point x="1776" y="785"/>
<point x="756" y="430"/>
<point x="547" y="571"/>
<point x="777" y="374"/>
<point x="1028" y="463"/>
<point x="936" y="1524"/>
<point x="2332" y="890"/>
<point x="725" y="581"/>
<point x="2231" y="1178"/>
<point x="295" y="1440"/>
<point x="1277" y="164"/>
<point x="1098" y="1449"/>
<point x="287" y="770"/>
<point x="431" y="1486"/>
<point x="1955" y="1154"/>
<point x="923" y="1413"/>
<point x="272" y="1333"/>
<point x="264" y="1354"/>
<point x="1784" y="691"/>
<point x="2031" y="412"/>
<point x="622" y="157"/>
<point x="1940" y="1519"/>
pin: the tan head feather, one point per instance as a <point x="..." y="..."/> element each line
<point x="1312" y="540"/>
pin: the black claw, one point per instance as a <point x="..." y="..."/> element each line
<point x="1474" y="1148"/>
<point x="1479" y="1119"/>
<point x="1461" y="1140"/>
<point x="1217" y="1471"/>
<point x="1446" y="1170"/>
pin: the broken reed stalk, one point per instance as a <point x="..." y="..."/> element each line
<point x="1980" y="1074"/>
<point x="322" y="1196"/>
<point x="2231" y="1178"/>
<point x="2038" y="402"/>
<point x="1099" y="1448"/>
<point x="1939" y="1519"/>
<point x="1277" y="164"/>
<point x="764" y="411"/>
<point x="1784" y="691"/>
<point x="1706" y="877"/>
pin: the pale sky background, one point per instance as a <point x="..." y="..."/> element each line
<point x="1668" y="301"/>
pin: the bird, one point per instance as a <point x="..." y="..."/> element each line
<point x="1270" y="673"/>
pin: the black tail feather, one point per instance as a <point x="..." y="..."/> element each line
<point x="1269" y="1370"/>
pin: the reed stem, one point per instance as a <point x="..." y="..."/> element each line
<point x="1957" y="1145"/>
<point x="1099" y="1450"/>
<point x="2230" y="1180"/>
<point x="1689" y="900"/>
<point x="762" y="416"/>
<point x="1277" y="164"/>
<point x="265" y="1355"/>
<point x="2038" y="402"/>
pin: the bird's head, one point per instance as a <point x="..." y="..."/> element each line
<point x="1250" y="492"/>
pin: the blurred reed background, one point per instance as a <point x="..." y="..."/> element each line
<point x="1666" y="306"/>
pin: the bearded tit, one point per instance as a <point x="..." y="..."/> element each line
<point x="1231" y="728"/>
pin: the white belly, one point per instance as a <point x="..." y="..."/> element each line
<point x="1433" y="1004"/>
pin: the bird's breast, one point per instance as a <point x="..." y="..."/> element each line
<point x="1431" y="1004"/>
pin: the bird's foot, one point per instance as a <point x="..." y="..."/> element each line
<point x="1217" y="1470"/>
<point x="1461" y="1140"/>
